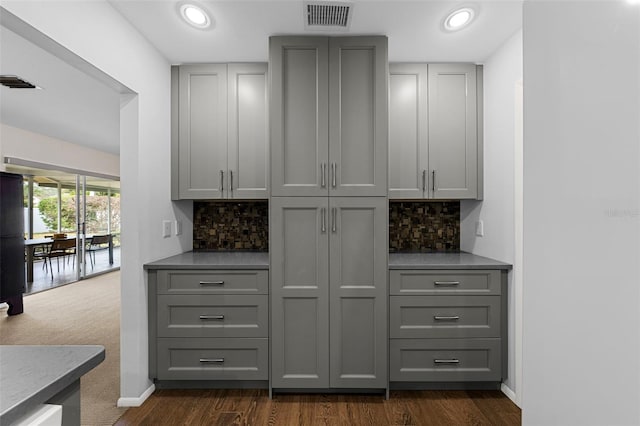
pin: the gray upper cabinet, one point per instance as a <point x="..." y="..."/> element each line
<point x="329" y="109"/>
<point x="358" y="118"/>
<point x="453" y="134"/>
<point x="435" y="142"/>
<point x="408" y="142"/>
<point x="202" y="130"/>
<point x="248" y="138"/>
<point x="219" y="136"/>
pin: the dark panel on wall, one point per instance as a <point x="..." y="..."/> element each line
<point x="220" y="225"/>
<point x="424" y="226"/>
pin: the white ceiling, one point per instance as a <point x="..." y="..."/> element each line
<point x="242" y="28"/>
<point x="78" y="108"/>
<point x="70" y="105"/>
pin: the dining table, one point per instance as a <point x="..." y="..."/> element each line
<point x="30" y="246"/>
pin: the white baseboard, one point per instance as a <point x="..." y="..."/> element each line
<point x="136" y="402"/>
<point x="510" y="394"/>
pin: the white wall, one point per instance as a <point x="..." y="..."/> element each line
<point x="581" y="344"/>
<point x="502" y="72"/>
<point x="97" y="33"/>
<point x="26" y="145"/>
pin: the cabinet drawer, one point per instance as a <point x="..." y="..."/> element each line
<point x="213" y="359"/>
<point x="186" y="315"/>
<point x="444" y="316"/>
<point x="444" y="282"/>
<point x="445" y="360"/>
<point x="213" y="282"/>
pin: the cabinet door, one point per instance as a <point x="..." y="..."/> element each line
<point x="203" y="130"/>
<point x="358" y="81"/>
<point x="358" y="292"/>
<point x="299" y="116"/>
<point x="453" y="139"/>
<point x="408" y="143"/>
<point x="248" y="142"/>
<point x="299" y="292"/>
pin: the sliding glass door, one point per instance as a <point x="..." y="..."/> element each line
<point x="75" y="210"/>
<point x="99" y="225"/>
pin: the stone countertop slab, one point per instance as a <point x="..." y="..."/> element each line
<point x="213" y="260"/>
<point x="460" y="260"/>
<point x="32" y="375"/>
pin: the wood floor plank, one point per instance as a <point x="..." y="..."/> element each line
<point x="253" y="407"/>
<point x="491" y="405"/>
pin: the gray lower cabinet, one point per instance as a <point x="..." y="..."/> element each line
<point x="328" y="116"/>
<point x="208" y="325"/>
<point x="220" y="143"/>
<point x="435" y="134"/>
<point x="328" y="292"/>
<point x="447" y="326"/>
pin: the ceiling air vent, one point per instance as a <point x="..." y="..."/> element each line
<point x="328" y="15"/>
<point x="15" y="82"/>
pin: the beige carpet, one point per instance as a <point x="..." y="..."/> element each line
<point x="83" y="313"/>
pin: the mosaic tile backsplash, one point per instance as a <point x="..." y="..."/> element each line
<point x="219" y="225"/>
<point x="424" y="226"/>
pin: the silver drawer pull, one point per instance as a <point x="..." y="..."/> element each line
<point x="211" y="282"/>
<point x="446" y="318"/>
<point x="446" y="361"/>
<point x="212" y="360"/>
<point x="211" y="317"/>
<point x="446" y="283"/>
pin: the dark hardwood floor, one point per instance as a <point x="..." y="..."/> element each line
<point x="253" y="407"/>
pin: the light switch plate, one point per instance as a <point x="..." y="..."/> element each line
<point x="480" y="228"/>
<point x="166" y="228"/>
<point x="177" y="226"/>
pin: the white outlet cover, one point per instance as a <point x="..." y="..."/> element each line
<point x="177" y="226"/>
<point x="480" y="228"/>
<point x="166" y="228"/>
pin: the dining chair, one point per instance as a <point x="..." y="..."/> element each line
<point x="95" y="243"/>
<point x="61" y="248"/>
<point x="41" y="252"/>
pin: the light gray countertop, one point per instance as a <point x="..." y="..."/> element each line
<point x="260" y="260"/>
<point x="213" y="260"/>
<point x="32" y="375"/>
<point x="461" y="260"/>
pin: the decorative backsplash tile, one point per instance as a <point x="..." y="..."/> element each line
<point x="224" y="225"/>
<point x="424" y="226"/>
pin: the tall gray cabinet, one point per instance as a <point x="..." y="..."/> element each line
<point x="328" y="116"/>
<point x="328" y="214"/>
<point x="220" y="139"/>
<point x="435" y="131"/>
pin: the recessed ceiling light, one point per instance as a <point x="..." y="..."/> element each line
<point x="195" y="15"/>
<point x="459" y="19"/>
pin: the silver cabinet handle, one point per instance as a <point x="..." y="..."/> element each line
<point x="446" y="318"/>
<point x="323" y="219"/>
<point x="211" y="317"/>
<point x="433" y="181"/>
<point x="211" y="282"/>
<point x="424" y="180"/>
<point x="231" y="180"/>
<point x="323" y="173"/>
<point x="221" y="180"/>
<point x="214" y="360"/>
<point x="446" y="361"/>
<point x="334" y="217"/>
<point x="334" y="169"/>
<point x="446" y="283"/>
